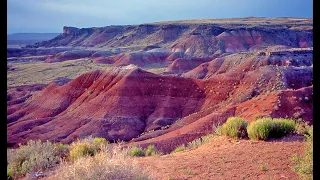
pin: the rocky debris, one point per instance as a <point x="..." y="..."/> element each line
<point x="35" y="175"/>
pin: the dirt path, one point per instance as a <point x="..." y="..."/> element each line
<point x="224" y="158"/>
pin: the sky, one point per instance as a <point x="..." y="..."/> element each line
<point x="49" y="16"/>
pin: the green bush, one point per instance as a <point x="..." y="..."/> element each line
<point x="80" y="149"/>
<point x="235" y="127"/>
<point x="180" y="148"/>
<point x="99" y="143"/>
<point x="34" y="156"/>
<point x="151" y="151"/>
<point x="282" y="127"/>
<point x="263" y="129"/>
<point x="136" y="151"/>
<point x="304" y="165"/>
<point x="260" y="129"/>
<point x="9" y="174"/>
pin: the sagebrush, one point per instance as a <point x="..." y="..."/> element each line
<point x="99" y="143"/>
<point x="111" y="164"/>
<point x="80" y="149"/>
<point x="32" y="157"/>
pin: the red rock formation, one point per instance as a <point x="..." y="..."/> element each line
<point x="130" y="104"/>
<point x="123" y="103"/>
<point x="181" y="65"/>
<point x="103" y="60"/>
<point x="193" y="38"/>
<point x="69" y="55"/>
<point x="117" y="104"/>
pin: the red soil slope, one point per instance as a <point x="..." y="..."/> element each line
<point x="116" y="104"/>
<point x="181" y="65"/>
<point x="126" y="103"/>
<point x="224" y="158"/>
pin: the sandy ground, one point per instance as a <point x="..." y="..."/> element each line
<point x="225" y="158"/>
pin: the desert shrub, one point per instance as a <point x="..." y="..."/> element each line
<point x="235" y="127"/>
<point x="180" y="148"/>
<point x="80" y="149"/>
<point x="200" y="141"/>
<point x="194" y="143"/>
<point x="260" y="129"/>
<point x="34" y="156"/>
<point x="217" y="129"/>
<point x="151" y="151"/>
<point x="304" y="163"/>
<point x="113" y="164"/>
<point x="207" y="138"/>
<point x="99" y="143"/>
<point x="9" y="174"/>
<point x="61" y="150"/>
<point x="136" y="151"/>
<point x="302" y="128"/>
<point x="282" y="127"/>
<point x="263" y="129"/>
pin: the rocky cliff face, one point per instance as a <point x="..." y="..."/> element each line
<point x="194" y="38"/>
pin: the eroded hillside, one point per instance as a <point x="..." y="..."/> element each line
<point x="162" y="83"/>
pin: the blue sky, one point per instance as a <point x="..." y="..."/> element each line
<point x="52" y="15"/>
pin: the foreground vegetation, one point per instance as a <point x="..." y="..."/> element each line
<point x="260" y="129"/>
<point x="89" y="158"/>
<point x="304" y="163"/>
<point x="95" y="158"/>
<point x="235" y="127"/>
<point x="112" y="163"/>
<point x="32" y="157"/>
<point x="263" y="129"/>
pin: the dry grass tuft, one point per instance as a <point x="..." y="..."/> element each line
<point x="113" y="163"/>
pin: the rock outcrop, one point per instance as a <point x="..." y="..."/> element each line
<point x="193" y="38"/>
